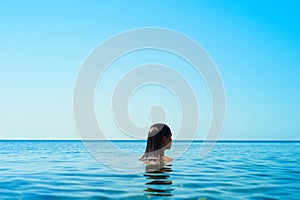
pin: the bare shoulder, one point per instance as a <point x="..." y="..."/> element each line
<point x="167" y="159"/>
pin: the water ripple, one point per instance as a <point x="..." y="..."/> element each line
<point x="65" y="170"/>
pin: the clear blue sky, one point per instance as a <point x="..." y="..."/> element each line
<point x="255" y="44"/>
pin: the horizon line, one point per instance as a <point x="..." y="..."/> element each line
<point x="144" y="140"/>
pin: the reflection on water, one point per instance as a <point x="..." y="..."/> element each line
<point x="159" y="182"/>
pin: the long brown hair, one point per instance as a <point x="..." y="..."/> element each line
<point x="156" y="134"/>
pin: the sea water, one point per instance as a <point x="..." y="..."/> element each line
<point x="68" y="170"/>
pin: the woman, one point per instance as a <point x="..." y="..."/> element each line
<point x="159" y="139"/>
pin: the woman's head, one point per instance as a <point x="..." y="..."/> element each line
<point x="159" y="138"/>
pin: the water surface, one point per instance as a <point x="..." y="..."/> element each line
<point x="233" y="170"/>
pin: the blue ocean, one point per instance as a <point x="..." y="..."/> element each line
<point x="232" y="170"/>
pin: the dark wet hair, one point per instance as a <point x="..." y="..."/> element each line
<point x="156" y="134"/>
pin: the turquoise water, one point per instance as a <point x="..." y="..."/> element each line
<point x="233" y="170"/>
